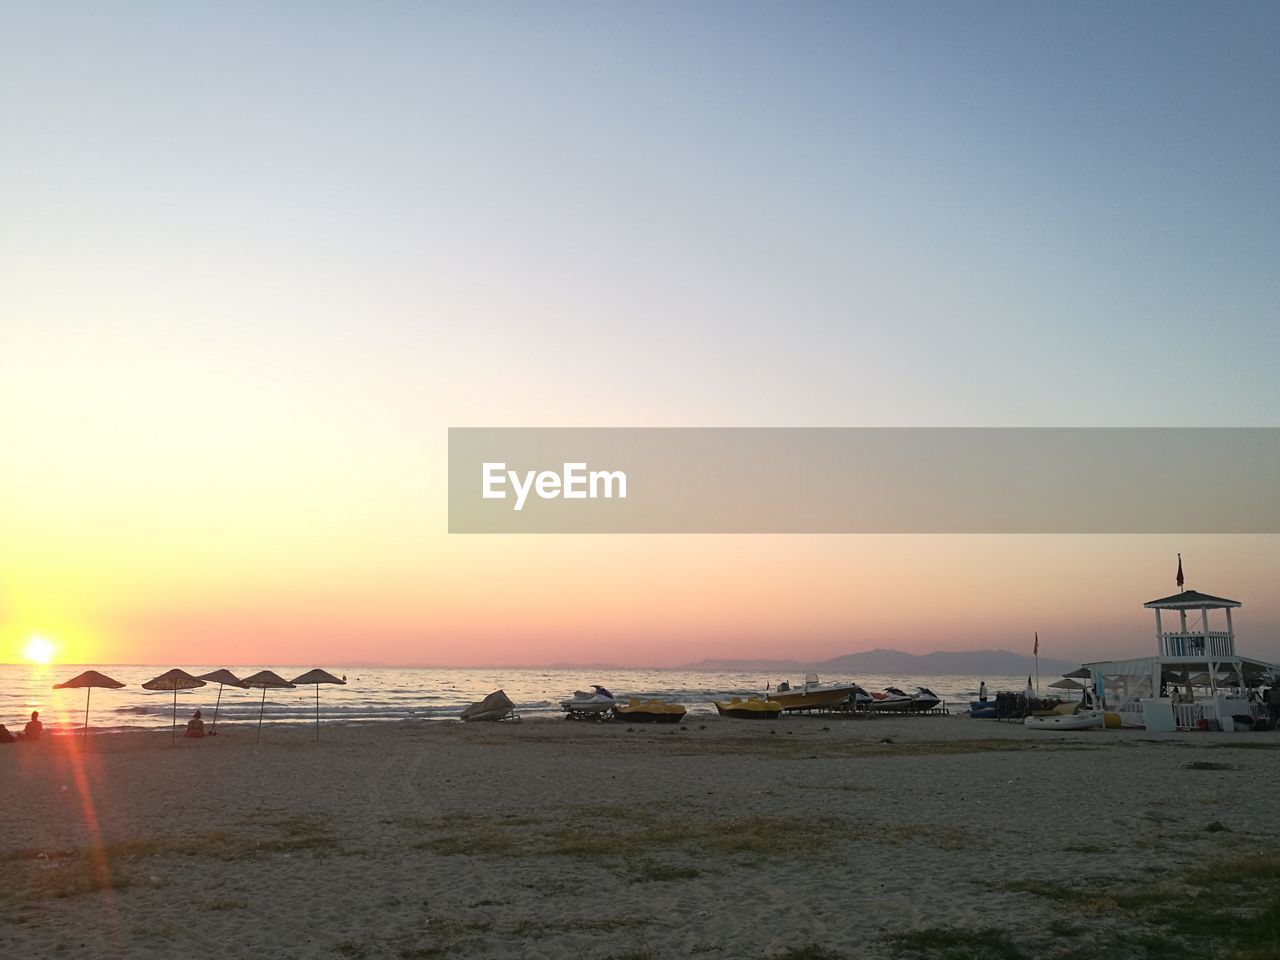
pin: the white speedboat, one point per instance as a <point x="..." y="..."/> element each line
<point x="1084" y="720"/>
<point x="594" y="705"/>
<point x="812" y="695"/>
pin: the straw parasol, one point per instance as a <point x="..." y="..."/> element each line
<point x="267" y="681"/>
<point x="1067" y="683"/>
<point x="1079" y="673"/>
<point x="89" y="679"/>
<point x="318" y="676"/>
<point x="174" y="680"/>
<point x="223" y="678"/>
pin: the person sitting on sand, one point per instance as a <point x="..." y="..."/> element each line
<point x="34" y="727"/>
<point x="195" y="726"/>
<point x="5" y="735"/>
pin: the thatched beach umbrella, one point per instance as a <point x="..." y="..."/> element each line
<point x="1079" y="673"/>
<point x="267" y="681"/>
<point x="318" y="676"/>
<point x="1066" y="683"/>
<point x="174" y="680"/>
<point x="89" y="679"/>
<point x="223" y="678"/>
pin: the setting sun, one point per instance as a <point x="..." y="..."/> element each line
<point x="39" y="650"/>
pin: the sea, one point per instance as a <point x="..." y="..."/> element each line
<point x="397" y="694"/>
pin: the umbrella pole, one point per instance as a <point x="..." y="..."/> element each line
<point x="317" y="713"/>
<point x="87" y="691"/>
<point x="261" y="707"/>
<point x="174" y="738"/>
<point x="215" y="710"/>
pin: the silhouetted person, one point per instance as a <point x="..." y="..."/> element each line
<point x="34" y="727"/>
<point x="195" y="726"/>
<point x="5" y="735"/>
<point x="982" y="691"/>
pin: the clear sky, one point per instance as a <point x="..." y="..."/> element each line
<point x="256" y="258"/>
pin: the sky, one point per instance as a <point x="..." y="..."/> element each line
<point x="256" y="259"/>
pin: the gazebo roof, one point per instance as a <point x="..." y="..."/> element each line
<point x="1188" y="599"/>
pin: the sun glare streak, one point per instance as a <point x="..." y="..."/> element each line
<point x="79" y="761"/>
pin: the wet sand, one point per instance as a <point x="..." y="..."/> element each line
<point x="546" y="838"/>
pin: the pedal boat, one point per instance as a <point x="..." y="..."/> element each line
<point x="649" y="711"/>
<point x="753" y="708"/>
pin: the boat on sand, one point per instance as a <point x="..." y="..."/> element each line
<point x="588" y="706"/>
<point x="496" y="706"/>
<point x="892" y="699"/>
<point x="753" y="708"/>
<point x="812" y="695"/>
<point x="1083" y="720"/>
<point x="924" y="700"/>
<point x="649" y="711"/>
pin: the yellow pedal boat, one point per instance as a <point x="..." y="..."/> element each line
<point x="649" y="711"/>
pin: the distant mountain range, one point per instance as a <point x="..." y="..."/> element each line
<point x="995" y="663"/>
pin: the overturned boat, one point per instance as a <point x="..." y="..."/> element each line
<point x="983" y="709"/>
<point x="496" y="706"/>
<point x="649" y="711"/>
<point x="753" y="708"/>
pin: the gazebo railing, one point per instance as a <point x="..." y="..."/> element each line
<point x="1213" y="644"/>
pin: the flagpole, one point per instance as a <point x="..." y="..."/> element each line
<point x="1036" y="652"/>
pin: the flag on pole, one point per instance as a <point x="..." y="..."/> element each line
<point x="1035" y="651"/>
<point x="1180" y="580"/>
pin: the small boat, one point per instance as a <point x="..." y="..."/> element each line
<point x="496" y="706"/>
<point x="812" y="695"/>
<point x="924" y="700"/>
<point x="588" y="706"/>
<point x="1084" y="720"/>
<point x="649" y="711"/>
<point x="892" y="699"/>
<point x="753" y="708"/>
<point x="982" y="711"/>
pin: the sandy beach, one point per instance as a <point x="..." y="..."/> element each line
<point x="806" y="837"/>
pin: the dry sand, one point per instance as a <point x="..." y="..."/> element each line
<point x="547" y="838"/>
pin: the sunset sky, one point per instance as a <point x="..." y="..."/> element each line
<point x="256" y="259"/>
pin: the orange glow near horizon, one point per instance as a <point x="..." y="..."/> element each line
<point x="644" y="601"/>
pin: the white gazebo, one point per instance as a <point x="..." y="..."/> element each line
<point x="1195" y="675"/>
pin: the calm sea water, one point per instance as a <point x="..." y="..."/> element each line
<point x="395" y="694"/>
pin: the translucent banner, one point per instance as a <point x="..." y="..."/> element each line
<point x="864" y="480"/>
